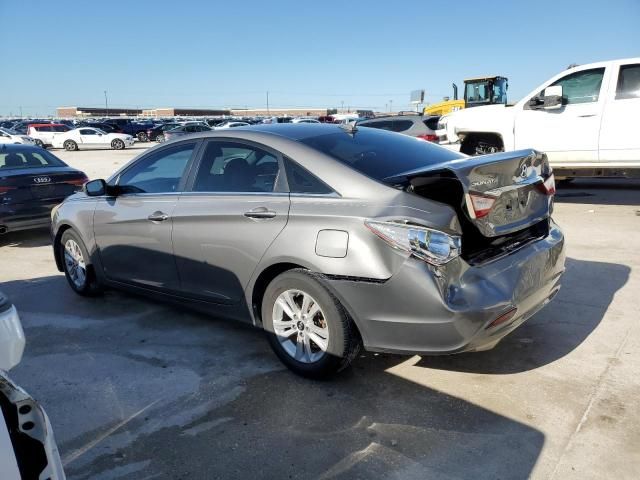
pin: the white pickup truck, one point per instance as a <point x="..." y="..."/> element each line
<point x="586" y="119"/>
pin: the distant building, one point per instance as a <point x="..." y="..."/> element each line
<point x="184" y="112"/>
<point x="71" y="112"/>
<point x="67" y="112"/>
<point x="279" y="112"/>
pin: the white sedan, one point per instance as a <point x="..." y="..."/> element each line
<point x="87" y="137"/>
<point x="11" y="136"/>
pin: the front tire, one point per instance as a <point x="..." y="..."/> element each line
<point x="76" y="265"/>
<point x="307" y="326"/>
<point x="117" y="144"/>
<point x="70" y="146"/>
<point x="142" y="137"/>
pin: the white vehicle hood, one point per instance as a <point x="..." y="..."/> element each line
<point x="477" y="119"/>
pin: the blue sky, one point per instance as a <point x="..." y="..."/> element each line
<point x="228" y="54"/>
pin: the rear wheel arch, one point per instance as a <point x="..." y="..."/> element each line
<point x="262" y="282"/>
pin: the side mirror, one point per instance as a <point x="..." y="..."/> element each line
<point x="553" y="97"/>
<point x="95" y="188"/>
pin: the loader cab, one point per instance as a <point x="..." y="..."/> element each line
<point x="485" y="91"/>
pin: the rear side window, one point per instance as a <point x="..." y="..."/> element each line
<point x="432" y="122"/>
<point x="28" y="159"/>
<point x="401" y="125"/>
<point x="236" y="167"/>
<point x="379" y="154"/>
<point x="628" y="82"/>
<point x="382" y="124"/>
<point x="44" y="128"/>
<point x="302" y="181"/>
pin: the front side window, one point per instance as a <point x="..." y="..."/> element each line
<point x="477" y="92"/>
<point x="160" y="172"/>
<point x="581" y="87"/>
<point x="236" y="167"/>
<point x="87" y="131"/>
<point x="628" y="82"/>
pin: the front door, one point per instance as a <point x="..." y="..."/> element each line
<point x="133" y="229"/>
<point x="568" y="134"/>
<point x="222" y="226"/>
<point x="88" y="138"/>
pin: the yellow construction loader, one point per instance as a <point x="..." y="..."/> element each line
<point x="477" y="91"/>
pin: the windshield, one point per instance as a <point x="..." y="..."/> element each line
<point x="27" y="158"/>
<point x="477" y="92"/>
<point x="380" y="154"/>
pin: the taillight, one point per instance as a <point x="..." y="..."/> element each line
<point x="78" y="182"/>
<point x="4" y="190"/>
<point x="428" y="138"/>
<point x="432" y="246"/>
<point x="481" y="204"/>
<point x="548" y="187"/>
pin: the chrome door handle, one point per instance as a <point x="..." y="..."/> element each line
<point x="587" y="115"/>
<point x="260" y="212"/>
<point x="158" y="216"/>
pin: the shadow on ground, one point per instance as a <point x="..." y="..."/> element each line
<point x="595" y="191"/>
<point x="140" y="389"/>
<point x="553" y="332"/>
<point x="26" y="238"/>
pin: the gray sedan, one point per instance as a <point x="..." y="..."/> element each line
<point x="328" y="237"/>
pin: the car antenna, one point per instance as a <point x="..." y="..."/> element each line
<point x="349" y="127"/>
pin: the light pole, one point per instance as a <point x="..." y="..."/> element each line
<point x="106" y="103"/>
<point x="342" y="106"/>
<point x="390" y="106"/>
<point x="268" y="102"/>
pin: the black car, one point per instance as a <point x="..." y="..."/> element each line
<point x="156" y="133"/>
<point x="105" y="127"/>
<point x="32" y="182"/>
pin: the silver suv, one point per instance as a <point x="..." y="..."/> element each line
<point x="413" y="125"/>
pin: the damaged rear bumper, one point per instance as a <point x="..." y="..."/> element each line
<point x="427" y="310"/>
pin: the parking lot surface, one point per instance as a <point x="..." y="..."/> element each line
<point x="136" y="389"/>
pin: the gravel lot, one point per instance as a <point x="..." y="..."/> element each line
<point x="136" y="389"/>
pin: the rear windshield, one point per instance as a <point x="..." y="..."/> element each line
<point x="28" y="158"/>
<point x="380" y="154"/>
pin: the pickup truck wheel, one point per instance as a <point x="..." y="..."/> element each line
<point x="481" y="145"/>
<point x="142" y="137"/>
<point x="70" y="146"/>
<point x="117" y="144"/>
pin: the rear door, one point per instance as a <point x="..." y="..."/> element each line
<point x="620" y="134"/>
<point x="133" y="230"/>
<point x="235" y="207"/>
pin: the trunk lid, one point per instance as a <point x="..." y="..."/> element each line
<point x="499" y="194"/>
<point x="39" y="184"/>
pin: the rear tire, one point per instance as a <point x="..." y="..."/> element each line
<point x="142" y="137"/>
<point x="70" y="146"/>
<point x="77" y="266"/>
<point x="304" y="312"/>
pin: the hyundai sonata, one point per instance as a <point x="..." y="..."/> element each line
<point x="327" y="237"/>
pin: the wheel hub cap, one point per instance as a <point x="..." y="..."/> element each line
<point x="300" y="325"/>
<point x="74" y="263"/>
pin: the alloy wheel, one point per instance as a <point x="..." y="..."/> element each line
<point x="74" y="263"/>
<point x="300" y="325"/>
